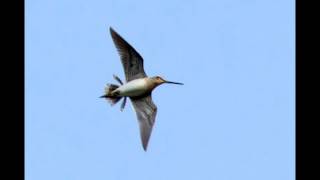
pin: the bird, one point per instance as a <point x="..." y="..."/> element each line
<point x="138" y="87"/>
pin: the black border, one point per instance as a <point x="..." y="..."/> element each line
<point x="304" y="75"/>
<point x="299" y="172"/>
<point x="12" y="86"/>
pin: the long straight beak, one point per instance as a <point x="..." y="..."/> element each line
<point x="170" y="82"/>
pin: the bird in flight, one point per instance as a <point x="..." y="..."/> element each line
<point x="138" y="87"/>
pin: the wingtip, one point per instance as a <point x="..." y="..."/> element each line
<point x="111" y="30"/>
<point x="145" y="144"/>
<point x="113" y="33"/>
<point x="145" y="147"/>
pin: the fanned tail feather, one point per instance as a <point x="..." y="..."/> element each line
<point x="112" y="98"/>
<point x="110" y="88"/>
<point x="109" y="96"/>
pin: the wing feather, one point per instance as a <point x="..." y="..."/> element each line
<point x="146" y="112"/>
<point x="132" y="61"/>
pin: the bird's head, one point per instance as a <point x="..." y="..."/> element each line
<point x="159" y="80"/>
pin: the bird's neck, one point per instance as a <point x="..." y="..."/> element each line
<point x="151" y="84"/>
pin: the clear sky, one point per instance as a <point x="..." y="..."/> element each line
<point x="234" y="119"/>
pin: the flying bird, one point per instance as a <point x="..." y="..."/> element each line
<point x="138" y="87"/>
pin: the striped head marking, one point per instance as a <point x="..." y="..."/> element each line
<point x="159" y="80"/>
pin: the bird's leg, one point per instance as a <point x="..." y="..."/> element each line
<point x="117" y="79"/>
<point x="123" y="103"/>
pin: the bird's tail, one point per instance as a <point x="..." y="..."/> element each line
<point x="112" y="99"/>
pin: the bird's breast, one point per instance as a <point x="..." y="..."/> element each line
<point x="133" y="88"/>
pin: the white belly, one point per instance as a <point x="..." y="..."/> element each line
<point x="135" y="87"/>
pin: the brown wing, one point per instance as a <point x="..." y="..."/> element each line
<point x="131" y="60"/>
<point x="146" y="112"/>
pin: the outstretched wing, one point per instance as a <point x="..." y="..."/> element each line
<point x="146" y="112"/>
<point x="131" y="60"/>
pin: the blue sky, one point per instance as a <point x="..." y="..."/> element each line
<point x="234" y="118"/>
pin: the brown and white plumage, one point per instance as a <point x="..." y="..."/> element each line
<point x="138" y="87"/>
<point x="132" y="63"/>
